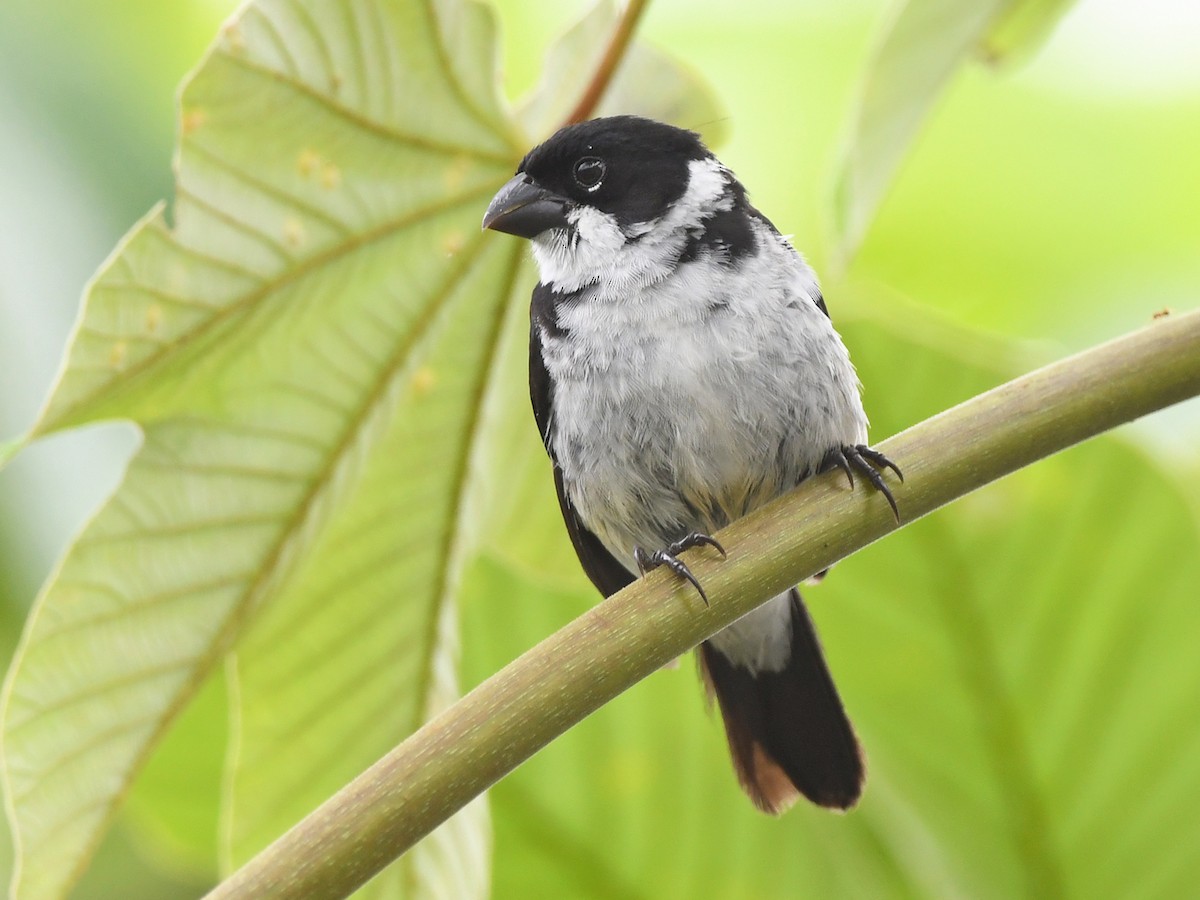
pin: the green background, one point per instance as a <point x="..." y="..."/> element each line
<point x="1044" y="207"/>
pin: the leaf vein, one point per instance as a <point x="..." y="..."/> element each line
<point x="316" y="398"/>
<point x="304" y="17"/>
<point x="161" y="531"/>
<point x="345" y="629"/>
<point x="185" y="592"/>
<point x="266" y="188"/>
<point x="385" y="55"/>
<point x="97" y="689"/>
<point x="156" y="293"/>
<point x="272" y="32"/>
<point x="438" y="40"/>
<point x="95" y="739"/>
<point x="367" y="124"/>
<point x="268" y="432"/>
<point x="255" y="234"/>
<point x="448" y="551"/>
<point x="175" y="242"/>
<point x="358" y="51"/>
<point x="321" y="352"/>
<point x="303" y="268"/>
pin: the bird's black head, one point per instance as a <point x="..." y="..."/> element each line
<point x="627" y="167"/>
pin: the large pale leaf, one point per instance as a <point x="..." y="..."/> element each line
<point x="323" y="279"/>
<point x="373" y="607"/>
<point x="360" y="647"/>
<point x="1020" y="668"/>
<point x="919" y="50"/>
<point x="324" y="355"/>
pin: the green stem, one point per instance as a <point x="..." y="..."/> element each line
<point x="608" y="65"/>
<point x="516" y="712"/>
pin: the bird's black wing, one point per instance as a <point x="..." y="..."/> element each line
<point x="820" y="301"/>
<point x="608" y="575"/>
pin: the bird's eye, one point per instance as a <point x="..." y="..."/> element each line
<point x="589" y="172"/>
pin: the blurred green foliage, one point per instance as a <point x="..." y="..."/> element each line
<point x="86" y="99"/>
<point x="1041" y="210"/>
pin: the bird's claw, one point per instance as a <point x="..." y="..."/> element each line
<point x="649" y="560"/>
<point x="696" y="539"/>
<point x="869" y="463"/>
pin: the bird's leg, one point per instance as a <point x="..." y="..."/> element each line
<point x="869" y="463"/>
<point x="668" y="556"/>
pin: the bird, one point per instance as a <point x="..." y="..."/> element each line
<point x="683" y="371"/>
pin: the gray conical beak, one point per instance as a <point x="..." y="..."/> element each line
<point x="525" y="208"/>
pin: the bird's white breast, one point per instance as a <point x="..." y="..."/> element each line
<point x="683" y="405"/>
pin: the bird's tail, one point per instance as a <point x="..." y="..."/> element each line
<point x="788" y="733"/>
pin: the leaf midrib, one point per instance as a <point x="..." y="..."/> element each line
<point x="449" y="555"/>
<point x="366" y="124"/>
<point x="241" y="608"/>
<point x="75" y="414"/>
<point x="411" y="339"/>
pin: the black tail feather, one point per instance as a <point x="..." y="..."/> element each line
<point x="788" y="733"/>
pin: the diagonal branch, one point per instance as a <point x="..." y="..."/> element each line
<point x="613" y="54"/>
<point x="531" y="701"/>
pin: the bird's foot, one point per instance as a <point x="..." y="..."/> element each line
<point x="669" y="557"/>
<point x="869" y="464"/>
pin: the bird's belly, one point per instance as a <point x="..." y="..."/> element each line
<point x="652" y="452"/>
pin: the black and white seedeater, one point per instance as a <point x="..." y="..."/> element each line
<point x="684" y="370"/>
